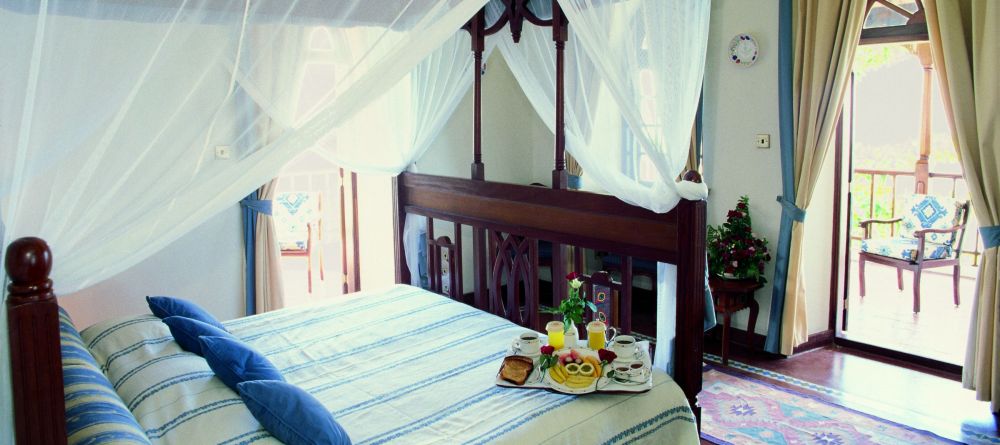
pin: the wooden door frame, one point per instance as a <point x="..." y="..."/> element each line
<point x="350" y="247"/>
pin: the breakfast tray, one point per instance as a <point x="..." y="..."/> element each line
<point x="604" y="385"/>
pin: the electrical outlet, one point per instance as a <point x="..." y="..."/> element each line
<point x="223" y="152"/>
<point x="763" y="141"/>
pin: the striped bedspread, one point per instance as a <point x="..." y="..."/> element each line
<point x="408" y="366"/>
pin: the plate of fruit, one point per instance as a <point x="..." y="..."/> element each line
<point x="576" y="371"/>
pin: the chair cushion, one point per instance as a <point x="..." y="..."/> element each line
<point x="931" y="212"/>
<point x="905" y="248"/>
<point x="291" y="414"/>
<point x="235" y="362"/>
<point x="163" y="307"/>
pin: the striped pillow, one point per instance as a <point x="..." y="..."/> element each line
<point x="94" y="412"/>
<point x="173" y="394"/>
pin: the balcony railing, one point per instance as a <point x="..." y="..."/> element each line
<point x="870" y="186"/>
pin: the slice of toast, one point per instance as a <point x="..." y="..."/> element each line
<point x="516" y="369"/>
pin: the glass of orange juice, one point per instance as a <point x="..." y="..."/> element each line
<point x="597" y="335"/>
<point x="557" y="338"/>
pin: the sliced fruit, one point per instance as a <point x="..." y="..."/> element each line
<point x="579" y="381"/>
<point x="573" y="368"/>
<point x="561" y="370"/>
<point x="587" y="369"/>
<point x="554" y="373"/>
<point x="565" y="358"/>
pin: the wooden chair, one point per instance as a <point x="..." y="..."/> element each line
<point x="292" y="210"/>
<point x="306" y="251"/>
<point x="926" y="239"/>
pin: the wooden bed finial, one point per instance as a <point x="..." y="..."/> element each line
<point x="693" y="176"/>
<point x="35" y="356"/>
<point x="28" y="263"/>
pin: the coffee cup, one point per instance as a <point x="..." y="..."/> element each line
<point x="528" y="343"/>
<point x="625" y="347"/>
<point x="637" y="371"/>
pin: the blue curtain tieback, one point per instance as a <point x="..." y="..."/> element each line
<point x="257" y="205"/>
<point x="794" y="212"/>
<point x="991" y="236"/>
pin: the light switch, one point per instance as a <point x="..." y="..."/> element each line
<point x="763" y="141"/>
<point x="223" y="152"/>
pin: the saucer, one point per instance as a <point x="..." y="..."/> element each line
<point x="628" y="381"/>
<point x="519" y="352"/>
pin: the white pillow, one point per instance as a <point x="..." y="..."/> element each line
<point x="173" y="394"/>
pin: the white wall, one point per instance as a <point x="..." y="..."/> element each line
<point x="205" y="266"/>
<point x="740" y="103"/>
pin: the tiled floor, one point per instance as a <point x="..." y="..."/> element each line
<point x="884" y="317"/>
<point x="295" y="279"/>
<point x="895" y="393"/>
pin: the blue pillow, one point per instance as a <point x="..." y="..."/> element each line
<point x="186" y="332"/>
<point x="163" y="307"/>
<point x="290" y="414"/>
<point x="234" y="361"/>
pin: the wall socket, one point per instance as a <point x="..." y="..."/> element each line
<point x="763" y="141"/>
<point x="223" y="152"/>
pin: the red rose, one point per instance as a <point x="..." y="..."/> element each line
<point x="572" y="276"/>
<point x="606" y="355"/>
<point x="548" y="350"/>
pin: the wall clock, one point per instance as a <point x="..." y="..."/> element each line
<point x="743" y="50"/>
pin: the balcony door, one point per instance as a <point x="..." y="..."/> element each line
<point x="895" y="143"/>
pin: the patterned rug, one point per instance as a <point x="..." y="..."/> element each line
<point x="737" y="409"/>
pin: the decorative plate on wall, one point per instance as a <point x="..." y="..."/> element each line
<point x="743" y="50"/>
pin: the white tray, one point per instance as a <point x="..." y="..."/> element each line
<point x="603" y="384"/>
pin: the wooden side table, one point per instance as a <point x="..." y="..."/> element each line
<point x="732" y="296"/>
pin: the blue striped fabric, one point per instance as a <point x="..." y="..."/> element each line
<point x="408" y="366"/>
<point x="397" y="366"/>
<point x="173" y="394"/>
<point x="94" y="411"/>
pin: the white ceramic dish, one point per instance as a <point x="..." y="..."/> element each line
<point x="569" y="390"/>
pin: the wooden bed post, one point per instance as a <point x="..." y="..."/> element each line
<point x="691" y="220"/>
<point x="398" y="224"/>
<point x="476" y="30"/>
<point x="559" y="36"/>
<point x="559" y="177"/>
<point x="35" y="355"/>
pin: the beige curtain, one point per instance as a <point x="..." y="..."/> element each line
<point x="965" y="46"/>
<point x="269" y="293"/>
<point x="692" y="159"/>
<point x="825" y="34"/>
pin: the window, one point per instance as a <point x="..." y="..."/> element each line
<point x="635" y="161"/>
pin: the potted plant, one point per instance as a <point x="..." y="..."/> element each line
<point x="572" y="308"/>
<point x="734" y="251"/>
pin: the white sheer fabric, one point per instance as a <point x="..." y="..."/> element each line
<point x="437" y="86"/>
<point x="112" y="111"/>
<point x="651" y="56"/>
<point x="647" y="74"/>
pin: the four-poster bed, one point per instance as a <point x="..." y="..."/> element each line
<point x="508" y="221"/>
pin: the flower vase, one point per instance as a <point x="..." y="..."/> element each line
<point x="572" y="337"/>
